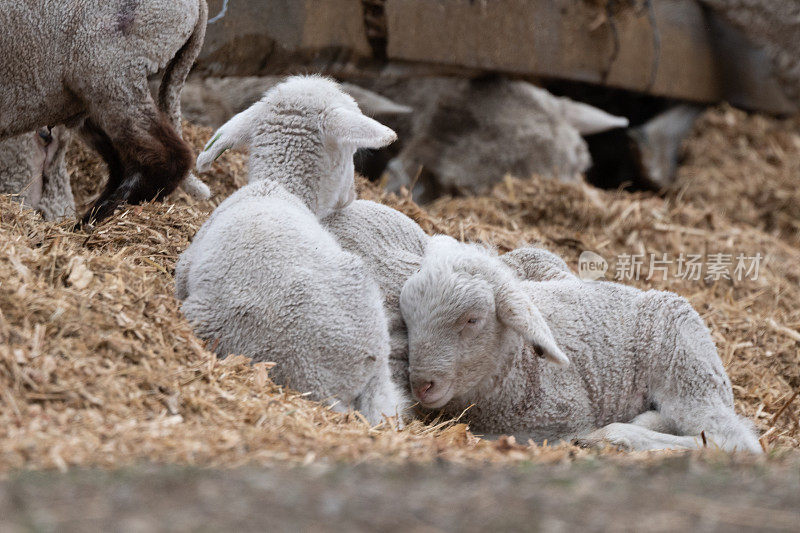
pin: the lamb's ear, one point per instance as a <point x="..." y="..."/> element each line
<point x="353" y="128"/>
<point x="588" y="119"/>
<point x="516" y="310"/>
<point x="236" y="133"/>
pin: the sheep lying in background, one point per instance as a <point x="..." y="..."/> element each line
<point x="466" y="135"/>
<point x="391" y="246"/>
<point x="262" y="278"/>
<point x="86" y="64"/>
<point x="644" y="367"/>
<point x="32" y="166"/>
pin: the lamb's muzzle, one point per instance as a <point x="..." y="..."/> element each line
<point x="431" y="394"/>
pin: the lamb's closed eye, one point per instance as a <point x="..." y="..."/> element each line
<point x="470" y="323"/>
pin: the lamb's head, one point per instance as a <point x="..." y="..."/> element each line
<point x="303" y="133"/>
<point x="465" y="312"/>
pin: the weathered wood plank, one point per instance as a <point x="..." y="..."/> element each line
<point x="669" y="52"/>
<point x="268" y="36"/>
<point x="678" y="50"/>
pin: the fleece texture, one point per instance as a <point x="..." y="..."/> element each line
<point x="263" y="278"/>
<point x="86" y="64"/>
<point x="391" y="246"/>
<point x="32" y="166"/>
<point x="479" y="336"/>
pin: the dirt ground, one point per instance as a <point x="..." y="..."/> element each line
<point x="676" y="494"/>
<point x="99" y="369"/>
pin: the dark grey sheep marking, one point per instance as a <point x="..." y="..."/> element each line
<point x="126" y="16"/>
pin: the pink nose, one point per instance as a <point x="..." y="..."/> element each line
<point x="423" y="389"/>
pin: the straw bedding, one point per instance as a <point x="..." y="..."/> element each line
<point x="98" y="367"/>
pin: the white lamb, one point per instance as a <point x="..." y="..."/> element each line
<point x="32" y="167"/>
<point x="644" y="367"/>
<point x="263" y="278"/>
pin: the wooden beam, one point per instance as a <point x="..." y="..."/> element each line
<point x="675" y="50"/>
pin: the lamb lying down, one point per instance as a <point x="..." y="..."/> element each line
<point x="264" y="279"/>
<point x="639" y="365"/>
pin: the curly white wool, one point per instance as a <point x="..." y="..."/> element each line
<point x="391" y="246"/>
<point x="644" y="368"/>
<point x="264" y="279"/>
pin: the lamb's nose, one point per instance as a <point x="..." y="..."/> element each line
<point x="423" y="389"/>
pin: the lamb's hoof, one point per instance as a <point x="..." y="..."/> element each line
<point x="602" y="444"/>
<point x="602" y="439"/>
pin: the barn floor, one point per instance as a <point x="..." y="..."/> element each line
<point x="99" y="369"/>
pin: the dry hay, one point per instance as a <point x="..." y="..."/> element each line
<point x="97" y="366"/>
<point x="747" y="168"/>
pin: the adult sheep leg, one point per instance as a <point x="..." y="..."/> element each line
<point x="146" y="156"/>
<point x="57" y="200"/>
<point x="21" y="161"/>
<point x="33" y="168"/>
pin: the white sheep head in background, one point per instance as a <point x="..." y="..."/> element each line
<point x="462" y="304"/>
<point x="303" y="134"/>
<point x="471" y="134"/>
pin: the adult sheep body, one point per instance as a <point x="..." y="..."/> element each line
<point x="86" y="64"/>
<point x="644" y="369"/>
<point x="264" y="279"/>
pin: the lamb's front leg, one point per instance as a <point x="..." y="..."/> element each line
<point x="633" y="437"/>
